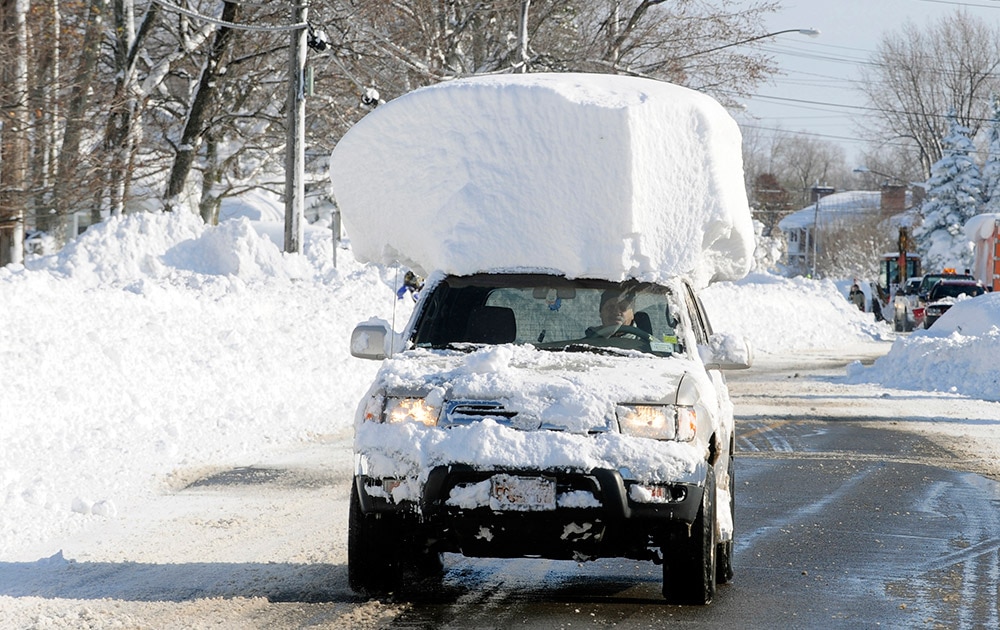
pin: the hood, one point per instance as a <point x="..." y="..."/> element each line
<point x="527" y="388"/>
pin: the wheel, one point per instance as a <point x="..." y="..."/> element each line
<point x="382" y="554"/>
<point x="724" y="550"/>
<point x="372" y="565"/>
<point x="615" y="330"/>
<point x="689" y="566"/>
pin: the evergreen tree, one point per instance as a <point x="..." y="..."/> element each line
<point x="954" y="194"/>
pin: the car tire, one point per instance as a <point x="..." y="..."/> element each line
<point x="689" y="566"/>
<point x="724" y="550"/>
<point x="372" y="561"/>
<point x="382" y="554"/>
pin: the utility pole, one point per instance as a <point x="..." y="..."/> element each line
<point x="295" y="147"/>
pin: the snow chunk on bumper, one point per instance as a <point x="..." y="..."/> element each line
<point x="591" y="175"/>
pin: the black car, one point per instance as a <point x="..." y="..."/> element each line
<point x="944" y="293"/>
<point x="929" y="280"/>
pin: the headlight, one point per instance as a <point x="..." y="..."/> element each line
<point x="658" y="422"/>
<point x="410" y="409"/>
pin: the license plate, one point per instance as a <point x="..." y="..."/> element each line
<point x="522" y="494"/>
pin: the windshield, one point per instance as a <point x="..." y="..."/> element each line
<point x="550" y="313"/>
<point x="947" y="289"/>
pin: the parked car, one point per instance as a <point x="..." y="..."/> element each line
<point x="513" y="423"/>
<point x="928" y="281"/>
<point x="945" y="293"/>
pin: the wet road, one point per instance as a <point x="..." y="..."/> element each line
<point x="843" y="521"/>
<point x="834" y="532"/>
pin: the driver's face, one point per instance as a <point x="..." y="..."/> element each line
<point x="617" y="312"/>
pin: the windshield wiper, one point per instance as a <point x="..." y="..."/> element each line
<point x="586" y="347"/>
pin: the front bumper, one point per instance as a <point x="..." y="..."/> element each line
<point x="615" y="524"/>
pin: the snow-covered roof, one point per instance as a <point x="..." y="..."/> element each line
<point x="834" y="207"/>
<point x="591" y="175"/>
<point x="845" y="206"/>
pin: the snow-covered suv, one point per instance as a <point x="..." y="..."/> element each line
<point x="508" y="422"/>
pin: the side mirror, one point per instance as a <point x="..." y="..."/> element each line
<point x="368" y="341"/>
<point x="726" y="352"/>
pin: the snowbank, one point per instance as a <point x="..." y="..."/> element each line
<point x="957" y="354"/>
<point x="779" y="314"/>
<point x="593" y="175"/>
<point x="152" y="346"/>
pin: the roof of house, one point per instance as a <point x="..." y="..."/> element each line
<point x="840" y="206"/>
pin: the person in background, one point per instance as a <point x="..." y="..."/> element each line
<point x="857" y="296"/>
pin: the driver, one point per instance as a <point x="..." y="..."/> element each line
<point x="617" y="308"/>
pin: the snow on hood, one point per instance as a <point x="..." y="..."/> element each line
<point x="590" y="175"/>
<point x="574" y="392"/>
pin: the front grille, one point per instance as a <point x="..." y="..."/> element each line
<point x="463" y="412"/>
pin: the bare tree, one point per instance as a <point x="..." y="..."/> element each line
<point x="129" y="100"/>
<point x="770" y="202"/>
<point x="194" y="128"/>
<point x="66" y="187"/>
<point x="402" y="44"/>
<point x="685" y="42"/>
<point x="15" y="128"/>
<point x="854" y="247"/>
<point x="917" y="74"/>
<point x="802" y="162"/>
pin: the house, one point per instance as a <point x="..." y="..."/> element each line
<point x="829" y="210"/>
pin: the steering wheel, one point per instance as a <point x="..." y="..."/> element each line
<point x="617" y="330"/>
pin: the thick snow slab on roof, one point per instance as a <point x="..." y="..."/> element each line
<point x="592" y="175"/>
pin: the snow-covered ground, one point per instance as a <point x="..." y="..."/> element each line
<point x="153" y="345"/>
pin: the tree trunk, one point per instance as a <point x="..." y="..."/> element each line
<point x="210" y="200"/>
<point x="194" y="128"/>
<point x="124" y="123"/>
<point x="67" y="191"/>
<point x="14" y="133"/>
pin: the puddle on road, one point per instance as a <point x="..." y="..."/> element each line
<point x="264" y="476"/>
<point x="245" y="476"/>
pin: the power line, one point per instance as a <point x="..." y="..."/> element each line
<point x="962" y="4"/>
<point x="233" y="25"/>
<point x="878" y="110"/>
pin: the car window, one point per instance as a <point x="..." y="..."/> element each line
<point x="698" y="320"/>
